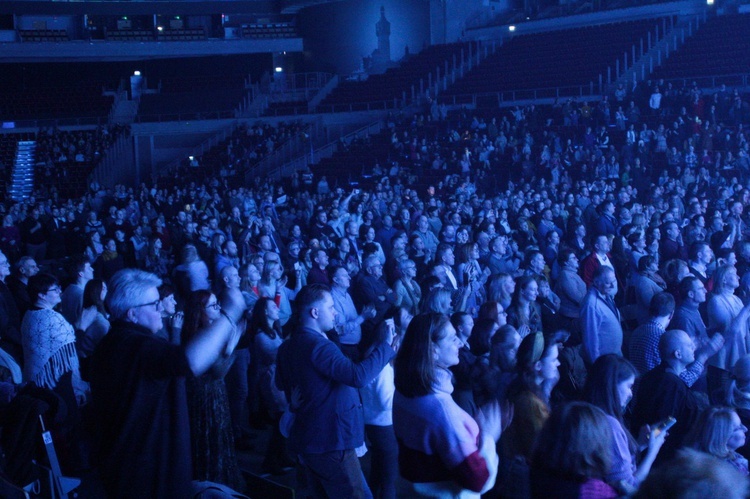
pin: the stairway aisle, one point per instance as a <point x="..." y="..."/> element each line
<point x="22" y="178"/>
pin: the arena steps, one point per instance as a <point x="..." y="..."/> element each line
<point x="22" y="178"/>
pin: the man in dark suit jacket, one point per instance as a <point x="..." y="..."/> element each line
<point x="662" y="393"/>
<point x="371" y="289"/>
<point x="321" y="385"/>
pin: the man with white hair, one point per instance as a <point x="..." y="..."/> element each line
<point x="138" y="389"/>
<point x="371" y="289"/>
<point x="600" y="319"/>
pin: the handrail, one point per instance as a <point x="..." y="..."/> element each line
<point x="204" y="146"/>
<point x="163" y="117"/>
<point x="583" y="90"/>
<point x="325" y="151"/>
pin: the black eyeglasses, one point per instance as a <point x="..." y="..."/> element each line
<point x="215" y="305"/>
<point x="154" y="304"/>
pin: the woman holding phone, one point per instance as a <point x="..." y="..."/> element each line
<point x="609" y="386"/>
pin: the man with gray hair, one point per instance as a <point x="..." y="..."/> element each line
<point x="600" y="319"/>
<point x="24" y="268"/>
<point x="371" y="289"/>
<point x="138" y="389"/>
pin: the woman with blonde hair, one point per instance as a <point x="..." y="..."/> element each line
<point x="408" y="292"/>
<point x="501" y="288"/>
<point x="727" y="315"/>
<point x="720" y="432"/>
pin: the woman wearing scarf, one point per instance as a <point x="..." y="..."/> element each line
<point x="50" y="357"/>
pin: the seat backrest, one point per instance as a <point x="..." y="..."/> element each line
<point x="9" y="490"/>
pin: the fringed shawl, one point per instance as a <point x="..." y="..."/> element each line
<point x="48" y="347"/>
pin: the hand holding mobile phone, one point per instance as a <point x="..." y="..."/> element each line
<point x="664" y="425"/>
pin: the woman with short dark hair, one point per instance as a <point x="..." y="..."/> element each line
<point x="50" y="356"/>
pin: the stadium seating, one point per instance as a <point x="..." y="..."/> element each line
<point x="720" y="47"/>
<point x="554" y="59"/>
<point x="379" y="91"/>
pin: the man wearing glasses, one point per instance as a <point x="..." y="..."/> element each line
<point x="138" y="389"/>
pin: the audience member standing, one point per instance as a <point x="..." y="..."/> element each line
<point x="10" y="319"/>
<point x="600" y="319"/>
<point x="662" y="393"/>
<point x="81" y="272"/>
<point x="138" y="390"/>
<point x="321" y="384"/>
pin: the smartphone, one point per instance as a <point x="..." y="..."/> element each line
<point x="665" y="425"/>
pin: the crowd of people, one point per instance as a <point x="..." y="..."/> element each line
<point x="562" y="312"/>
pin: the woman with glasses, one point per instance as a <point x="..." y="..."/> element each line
<point x="214" y="458"/>
<point x="51" y="358"/>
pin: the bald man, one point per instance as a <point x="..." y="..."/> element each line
<point x="662" y="393"/>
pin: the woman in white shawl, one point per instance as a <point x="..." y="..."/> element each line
<point x="50" y="357"/>
<point x="728" y="316"/>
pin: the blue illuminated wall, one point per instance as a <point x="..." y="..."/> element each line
<point x="340" y="34"/>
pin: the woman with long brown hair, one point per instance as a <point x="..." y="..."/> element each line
<point x="214" y="458"/>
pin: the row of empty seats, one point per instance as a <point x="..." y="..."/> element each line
<point x="85" y="101"/>
<point x="271" y="30"/>
<point x="166" y="35"/>
<point x="555" y="59"/>
<point x="126" y="35"/>
<point x="720" y="47"/>
<point x="392" y="84"/>
<point x="43" y="35"/>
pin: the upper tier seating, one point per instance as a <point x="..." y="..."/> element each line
<point x="269" y="30"/>
<point x="43" y="35"/>
<point x="720" y="47"/>
<point x="54" y="91"/>
<point x="554" y="59"/>
<point x="381" y="90"/>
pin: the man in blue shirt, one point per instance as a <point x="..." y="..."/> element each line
<point x="321" y="385"/>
